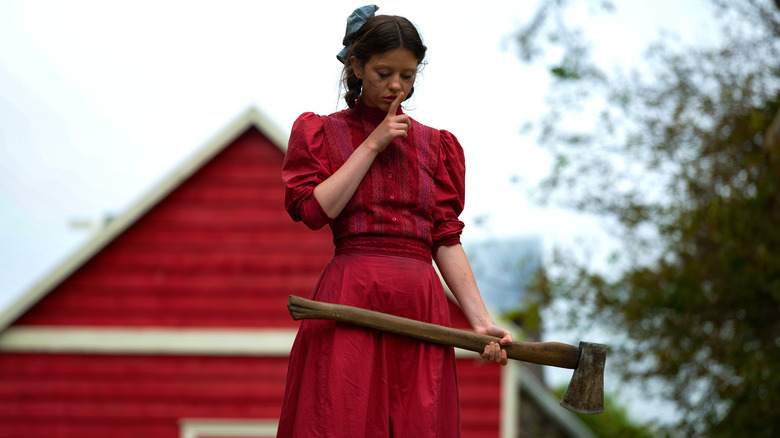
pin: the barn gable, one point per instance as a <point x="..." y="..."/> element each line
<point x="215" y="206"/>
<point x="216" y="251"/>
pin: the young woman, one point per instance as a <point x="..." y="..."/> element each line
<point x="391" y="190"/>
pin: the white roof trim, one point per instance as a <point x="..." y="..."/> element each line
<point x="171" y="341"/>
<point x="133" y="340"/>
<point x="250" y="117"/>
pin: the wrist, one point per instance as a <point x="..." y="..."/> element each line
<point x="477" y="315"/>
<point x="482" y="323"/>
<point x="371" y="145"/>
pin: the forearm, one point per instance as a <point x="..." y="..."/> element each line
<point x="456" y="271"/>
<point x="334" y="193"/>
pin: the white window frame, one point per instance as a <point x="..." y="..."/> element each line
<point x="211" y="427"/>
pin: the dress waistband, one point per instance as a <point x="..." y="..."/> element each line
<point x="396" y="246"/>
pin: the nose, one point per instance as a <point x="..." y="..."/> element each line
<point x="395" y="83"/>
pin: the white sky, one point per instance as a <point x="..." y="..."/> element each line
<point x="99" y="100"/>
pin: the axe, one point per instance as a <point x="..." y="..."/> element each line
<point x="585" y="394"/>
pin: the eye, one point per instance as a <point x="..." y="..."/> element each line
<point x="407" y="77"/>
<point x="383" y="75"/>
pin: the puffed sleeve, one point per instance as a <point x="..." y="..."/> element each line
<point x="450" y="192"/>
<point x="306" y="165"/>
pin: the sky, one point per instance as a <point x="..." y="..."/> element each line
<point x="100" y="100"/>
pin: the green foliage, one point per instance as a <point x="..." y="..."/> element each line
<point x="614" y="422"/>
<point x="565" y="71"/>
<point x="678" y="163"/>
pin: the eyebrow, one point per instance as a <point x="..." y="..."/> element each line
<point x="387" y="66"/>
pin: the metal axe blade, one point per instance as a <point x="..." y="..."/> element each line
<point x="585" y="394"/>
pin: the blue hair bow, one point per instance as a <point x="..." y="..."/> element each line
<point x="354" y="22"/>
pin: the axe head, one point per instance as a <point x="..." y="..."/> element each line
<point x="585" y="394"/>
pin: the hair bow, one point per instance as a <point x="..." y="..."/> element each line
<point x="354" y="22"/>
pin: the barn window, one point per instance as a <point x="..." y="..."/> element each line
<point x="227" y="428"/>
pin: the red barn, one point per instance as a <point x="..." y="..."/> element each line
<point x="172" y="322"/>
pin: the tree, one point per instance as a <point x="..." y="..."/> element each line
<point x="682" y="162"/>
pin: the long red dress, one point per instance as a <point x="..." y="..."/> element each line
<point x="345" y="381"/>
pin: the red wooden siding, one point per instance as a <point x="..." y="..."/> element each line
<point x="44" y="396"/>
<point x="219" y="251"/>
<point x="479" y="385"/>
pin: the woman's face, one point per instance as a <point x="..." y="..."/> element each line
<point x="385" y="76"/>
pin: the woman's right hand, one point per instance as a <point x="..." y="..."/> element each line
<point x="392" y="127"/>
<point x="334" y="193"/>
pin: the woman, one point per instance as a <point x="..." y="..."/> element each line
<point x="391" y="190"/>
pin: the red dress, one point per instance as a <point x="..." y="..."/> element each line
<point x="345" y="381"/>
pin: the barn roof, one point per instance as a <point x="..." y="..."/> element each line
<point x="251" y="117"/>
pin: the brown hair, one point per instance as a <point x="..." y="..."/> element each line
<point x="379" y="34"/>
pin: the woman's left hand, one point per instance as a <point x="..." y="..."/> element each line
<point x="493" y="351"/>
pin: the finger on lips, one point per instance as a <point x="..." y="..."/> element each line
<point x="394" y="106"/>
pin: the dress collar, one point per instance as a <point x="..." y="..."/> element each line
<point x="372" y="114"/>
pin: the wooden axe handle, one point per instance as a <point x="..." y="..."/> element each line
<point x="544" y="353"/>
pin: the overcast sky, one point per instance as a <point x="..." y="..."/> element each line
<point x="99" y="100"/>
